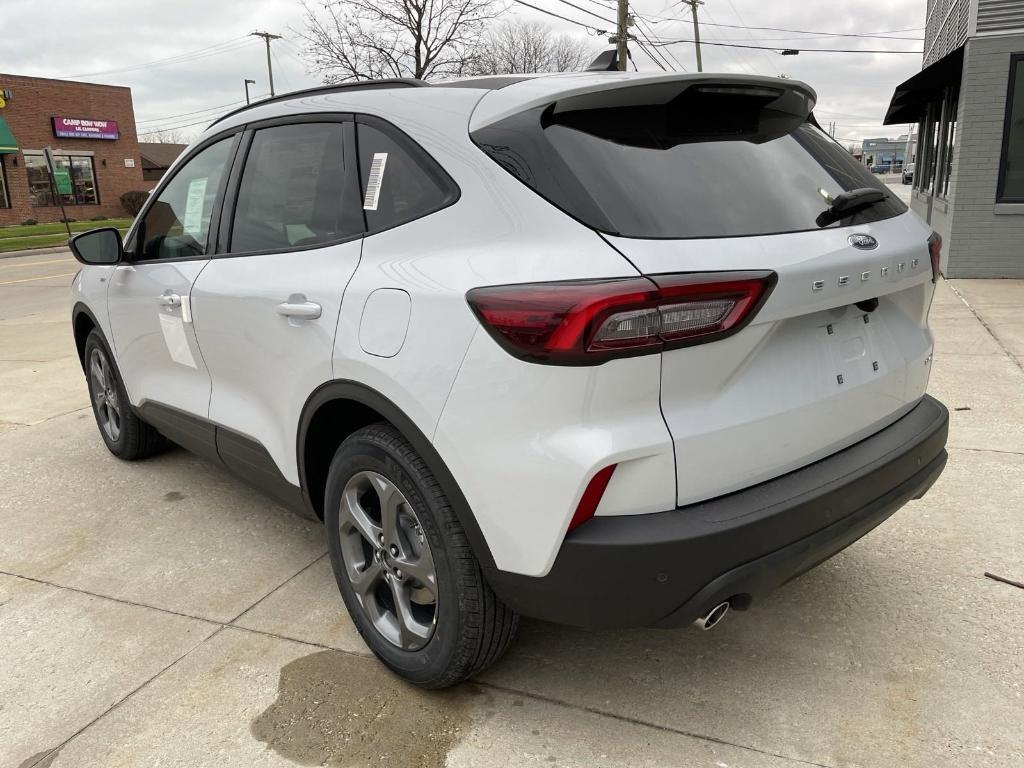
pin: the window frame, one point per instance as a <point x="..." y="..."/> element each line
<point x="234" y="133"/>
<point x="1015" y="60"/>
<point x="234" y="181"/>
<point x="452" y="191"/>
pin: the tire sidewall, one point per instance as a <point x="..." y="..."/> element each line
<point x="96" y="341"/>
<point x="362" y="453"/>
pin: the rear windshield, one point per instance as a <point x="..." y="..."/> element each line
<point x="681" y="170"/>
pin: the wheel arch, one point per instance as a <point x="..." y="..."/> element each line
<point x="83" y="322"/>
<point x="337" y="409"/>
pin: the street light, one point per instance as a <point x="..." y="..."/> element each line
<point x="247" y="82"/>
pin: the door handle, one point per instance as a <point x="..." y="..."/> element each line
<point x="170" y="300"/>
<point x="297" y="307"/>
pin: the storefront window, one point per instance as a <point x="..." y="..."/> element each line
<point x="937" y="140"/>
<point x="75" y="181"/>
<point x="5" y="200"/>
<point x="1011" y="167"/>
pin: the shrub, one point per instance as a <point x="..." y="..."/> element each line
<point x="29" y="222"/>
<point x="68" y="220"/>
<point x="132" y="202"/>
<point x="99" y="218"/>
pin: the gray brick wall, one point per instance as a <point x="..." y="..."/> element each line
<point x="982" y="243"/>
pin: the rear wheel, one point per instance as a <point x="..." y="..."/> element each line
<point x="404" y="565"/>
<point x="125" y="434"/>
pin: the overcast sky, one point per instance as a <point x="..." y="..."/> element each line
<point x="127" y="42"/>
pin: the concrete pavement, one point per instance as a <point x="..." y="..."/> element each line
<point x="162" y="613"/>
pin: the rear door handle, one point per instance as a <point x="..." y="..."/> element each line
<point x="170" y="300"/>
<point x="297" y="307"/>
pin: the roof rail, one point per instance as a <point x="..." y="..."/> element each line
<point x="395" y="82"/>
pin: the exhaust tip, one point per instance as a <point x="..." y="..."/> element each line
<point x="712" y="617"/>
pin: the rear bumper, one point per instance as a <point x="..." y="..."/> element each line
<point x="668" y="568"/>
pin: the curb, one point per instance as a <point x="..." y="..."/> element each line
<point x="36" y="251"/>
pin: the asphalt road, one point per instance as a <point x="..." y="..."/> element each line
<point x="161" y="613"/>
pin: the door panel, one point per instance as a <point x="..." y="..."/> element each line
<point x="148" y="299"/>
<point x="157" y="352"/>
<point x="266" y="312"/>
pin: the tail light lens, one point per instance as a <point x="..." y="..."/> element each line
<point x="587" y="322"/>
<point x="935" y="252"/>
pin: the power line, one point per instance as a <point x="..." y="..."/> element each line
<point x="584" y="10"/>
<point x="875" y="35"/>
<point x="224" y="47"/>
<point x="165" y="118"/>
<point x="564" y="18"/>
<point x="647" y="36"/>
<point x="779" y="48"/>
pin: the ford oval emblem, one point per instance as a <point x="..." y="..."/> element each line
<point x="863" y="242"/>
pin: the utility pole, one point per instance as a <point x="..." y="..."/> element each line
<point x="696" y="29"/>
<point x="267" y="37"/>
<point x="622" y="34"/>
<point x="247" y="84"/>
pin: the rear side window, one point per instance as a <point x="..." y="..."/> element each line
<point x="292" y="192"/>
<point x="400" y="181"/>
<point x="697" y="166"/>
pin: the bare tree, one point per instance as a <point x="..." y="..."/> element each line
<point x="369" y="39"/>
<point x="516" y="47"/>
<point x="166" y="136"/>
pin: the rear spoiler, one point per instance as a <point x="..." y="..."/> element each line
<point x="595" y="90"/>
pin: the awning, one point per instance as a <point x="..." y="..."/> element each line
<point x="910" y="100"/>
<point x="7" y="143"/>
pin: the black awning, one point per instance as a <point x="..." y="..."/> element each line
<point x="911" y="98"/>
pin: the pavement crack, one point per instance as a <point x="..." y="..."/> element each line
<point x="987" y="327"/>
<point x="646" y="724"/>
<point x="295" y="575"/>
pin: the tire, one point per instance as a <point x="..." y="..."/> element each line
<point x="466" y="628"/>
<point x="125" y="434"/>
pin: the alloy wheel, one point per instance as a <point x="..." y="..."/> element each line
<point x="104" y="395"/>
<point x="388" y="560"/>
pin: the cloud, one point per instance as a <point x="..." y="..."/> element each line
<point x="63" y="38"/>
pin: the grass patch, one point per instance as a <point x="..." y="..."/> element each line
<point x="39" y="230"/>
<point x="39" y="241"/>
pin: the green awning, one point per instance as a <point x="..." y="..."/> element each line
<point x="7" y="143"/>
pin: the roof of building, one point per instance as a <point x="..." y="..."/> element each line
<point x="160" y="155"/>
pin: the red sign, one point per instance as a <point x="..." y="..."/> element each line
<point x="80" y="128"/>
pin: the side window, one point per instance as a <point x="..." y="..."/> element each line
<point x="177" y="224"/>
<point x="1011" y="166"/>
<point x="292" y="193"/>
<point x="399" y="181"/>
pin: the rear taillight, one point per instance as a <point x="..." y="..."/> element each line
<point x="589" y="321"/>
<point x="935" y="252"/>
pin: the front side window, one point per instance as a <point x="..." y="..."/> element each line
<point x="293" y="190"/>
<point x="400" y="182"/>
<point x="73" y="182"/>
<point x="1011" y="167"/>
<point x="177" y="224"/>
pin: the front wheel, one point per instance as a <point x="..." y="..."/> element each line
<point x="404" y="566"/>
<point x="125" y="434"/>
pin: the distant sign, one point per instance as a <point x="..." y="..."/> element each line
<point x="129" y="162"/>
<point x="79" y="128"/>
<point x="62" y="180"/>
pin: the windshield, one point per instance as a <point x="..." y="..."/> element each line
<point x="675" y="171"/>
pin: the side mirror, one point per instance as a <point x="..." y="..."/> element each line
<point x="98" y="246"/>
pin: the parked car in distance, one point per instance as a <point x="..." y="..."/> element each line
<point x="562" y="346"/>
<point x="880" y="168"/>
<point x="908" y="173"/>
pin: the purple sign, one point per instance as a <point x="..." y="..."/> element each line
<point x="78" y="128"/>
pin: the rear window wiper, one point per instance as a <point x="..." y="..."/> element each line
<point x="846" y="203"/>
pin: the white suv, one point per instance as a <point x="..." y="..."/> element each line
<point x="604" y="349"/>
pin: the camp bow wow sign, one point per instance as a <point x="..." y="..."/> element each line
<point x="78" y="128"/>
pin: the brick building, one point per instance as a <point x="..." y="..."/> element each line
<point x="91" y="130"/>
<point x="968" y="101"/>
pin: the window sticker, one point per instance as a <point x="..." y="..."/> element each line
<point x="374" y="180"/>
<point x="194" y="202"/>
